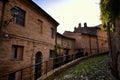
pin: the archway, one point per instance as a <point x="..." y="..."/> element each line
<point x="38" y="59"/>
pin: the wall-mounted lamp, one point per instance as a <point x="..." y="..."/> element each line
<point x="14" y="12"/>
<point x="5" y="35"/>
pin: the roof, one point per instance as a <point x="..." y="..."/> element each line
<point x="58" y="34"/>
<point x="88" y="30"/>
<point x="87" y="34"/>
<point x="40" y="10"/>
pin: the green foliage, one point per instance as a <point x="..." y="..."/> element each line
<point x="112" y="27"/>
<point x="109" y="11"/>
<point x="58" y="46"/>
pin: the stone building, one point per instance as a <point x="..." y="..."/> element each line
<point x="90" y="40"/>
<point x="65" y="50"/>
<point x="26" y="38"/>
<point x="65" y="45"/>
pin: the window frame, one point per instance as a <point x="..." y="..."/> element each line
<point x="20" y="18"/>
<point x="52" y="32"/>
<point x="52" y="54"/>
<point x="40" y="25"/>
<point x="68" y="44"/>
<point x="17" y="52"/>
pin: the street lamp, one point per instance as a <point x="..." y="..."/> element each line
<point x="14" y="12"/>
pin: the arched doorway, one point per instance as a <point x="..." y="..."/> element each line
<point x="38" y="65"/>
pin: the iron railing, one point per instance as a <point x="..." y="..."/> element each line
<point x="34" y="72"/>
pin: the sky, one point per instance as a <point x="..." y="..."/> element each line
<point x="69" y="13"/>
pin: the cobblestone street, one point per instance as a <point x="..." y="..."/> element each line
<point x="91" y="69"/>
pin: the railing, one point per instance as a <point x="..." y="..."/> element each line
<point x="34" y="72"/>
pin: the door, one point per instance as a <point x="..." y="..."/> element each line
<point x="37" y="65"/>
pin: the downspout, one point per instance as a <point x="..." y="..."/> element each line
<point x="97" y="44"/>
<point x="55" y="36"/>
<point x="90" y="44"/>
<point x="2" y="18"/>
<point x="55" y="47"/>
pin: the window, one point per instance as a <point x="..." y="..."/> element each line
<point x="93" y="44"/>
<point x="17" y="52"/>
<point x="62" y="42"/>
<point x="11" y="76"/>
<point x="86" y="43"/>
<point x="40" y="23"/>
<point x="68" y="45"/>
<point x="52" y="33"/>
<point x="20" y="18"/>
<point x="52" y="55"/>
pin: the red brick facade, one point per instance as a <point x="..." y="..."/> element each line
<point x="91" y="40"/>
<point x="65" y="42"/>
<point x="23" y="42"/>
<point x="35" y="39"/>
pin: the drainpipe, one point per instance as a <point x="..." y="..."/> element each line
<point x="2" y="16"/>
<point x="90" y="44"/>
<point x="97" y="44"/>
<point x="55" y="47"/>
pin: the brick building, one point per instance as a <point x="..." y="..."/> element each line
<point x="67" y="43"/>
<point x="27" y="39"/>
<point x="90" y="40"/>
<point x="31" y="37"/>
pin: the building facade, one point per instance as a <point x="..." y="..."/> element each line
<point x="25" y="40"/>
<point x="90" y="40"/>
<point x="30" y="38"/>
<point x="65" y="45"/>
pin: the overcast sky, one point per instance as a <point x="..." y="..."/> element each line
<point x="69" y="13"/>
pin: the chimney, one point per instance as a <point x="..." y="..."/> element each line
<point x="75" y="29"/>
<point x="79" y="25"/>
<point x="85" y="24"/>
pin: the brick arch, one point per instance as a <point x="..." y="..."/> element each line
<point x="39" y="53"/>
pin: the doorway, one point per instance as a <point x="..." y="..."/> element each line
<point x="38" y="60"/>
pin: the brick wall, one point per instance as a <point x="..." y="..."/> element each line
<point x="33" y="37"/>
<point x="65" y="42"/>
<point x="90" y="44"/>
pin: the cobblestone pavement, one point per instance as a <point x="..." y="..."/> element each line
<point x="99" y="72"/>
